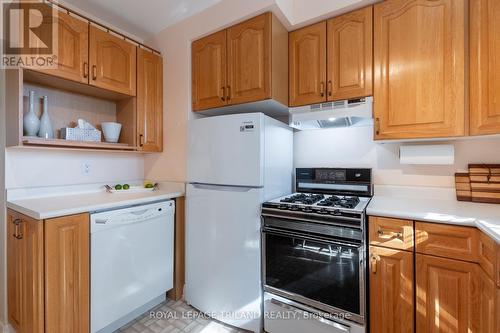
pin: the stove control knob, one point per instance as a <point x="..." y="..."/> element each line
<point x="282" y="207"/>
<point x="294" y="207"/>
<point x="336" y="212"/>
<point x="307" y="209"/>
<point x="323" y="211"/>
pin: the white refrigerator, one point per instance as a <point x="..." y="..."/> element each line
<point x="235" y="163"/>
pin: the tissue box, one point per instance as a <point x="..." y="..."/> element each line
<point x="80" y="134"/>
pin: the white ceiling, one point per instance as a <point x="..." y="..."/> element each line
<point x="143" y="18"/>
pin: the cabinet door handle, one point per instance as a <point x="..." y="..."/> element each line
<point x="381" y="232"/>
<point x="330" y="87"/>
<point x="228" y="93"/>
<point x="223" y="97"/>
<point x="141" y="140"/>
<point x="85" y="70"/>
<point x="377" y="126"/>
<point x="94" y="72"/>
<point x="322" y="89"/>
<point x="373" y="263"/>
<point x="17" y="234"/>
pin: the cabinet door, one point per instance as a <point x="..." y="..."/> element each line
<point x="447" y="295"/>
<point x="249" y="60"/>
<point x="208" y="56"/>
<point x="113" y="62"/>
<point x="487" y="310"/>
<point x="73" y="49"/>
<point x="484" y="67"/>
<point x="67" y="274"/>
<point x="419" y="68"/>
<point x="307" y="61"/>
<point x="149" y="101"/>
<point x="25" y="285"/>
<point x="391" y="290"/>
<point x="350" y="52"/>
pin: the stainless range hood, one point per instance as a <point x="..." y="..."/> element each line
<point x="346" y="113"/>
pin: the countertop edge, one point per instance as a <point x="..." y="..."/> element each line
<point x="417" y="217"/>
<point x="87" y="209"/>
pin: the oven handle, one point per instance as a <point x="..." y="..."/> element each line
<point x="285" y="306"/>
<point x="278" y="232"/>
<point x="333" y="217"/>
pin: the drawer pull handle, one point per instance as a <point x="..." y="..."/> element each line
<point x="391" y="234"/>
<point x="94" y="72"/>
<point x="322" y="89"/>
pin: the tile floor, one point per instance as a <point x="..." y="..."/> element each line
<point x="175" y="317"/>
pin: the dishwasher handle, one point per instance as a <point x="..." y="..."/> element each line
<point x="141" y="214"/>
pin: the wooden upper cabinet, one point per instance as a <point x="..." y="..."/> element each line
<point x="208" y="56"/>
<point x="244" y="63"/>
<point x="447" y="294"/>
<point x="149" y="101"/>
<point x="249" y="60"/>
<point x="350" y="53"/>
<point x="307" y="65"/>
<point x="391" y="290"/>
<point x="484" y="67"/>
<point x="72" y="48"/>
<point x="419" y="81"/>
<point x="25" y="273"/>
<point x="112" y="62"/>
<point x="67" y="273"/>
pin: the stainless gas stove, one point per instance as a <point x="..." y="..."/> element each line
<point x="314" y="252"/>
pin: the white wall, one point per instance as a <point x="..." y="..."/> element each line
<point x="45" y="167"/>
<point x="354" y="147"/>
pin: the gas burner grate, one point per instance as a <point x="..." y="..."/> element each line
<point x="303" y="198"/>
<point x="339" y="202"/>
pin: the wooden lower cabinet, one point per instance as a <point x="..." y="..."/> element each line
<point x="447" y="295"/>
<point x="48" y="274"/>
<point x="67" y="274"/>
<point x="391" y="290"/>
<point x="25" y="273"/>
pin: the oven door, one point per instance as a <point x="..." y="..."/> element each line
<point x="322" y="272"/>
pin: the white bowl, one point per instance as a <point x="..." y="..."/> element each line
<point x="111" y="131"/>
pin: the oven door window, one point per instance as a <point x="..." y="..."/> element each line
<point x="318" y="270"/>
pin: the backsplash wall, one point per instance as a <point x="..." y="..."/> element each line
<point x="44" y="167"/>
<point x="354" y="147"/>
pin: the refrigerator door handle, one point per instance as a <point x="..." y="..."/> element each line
<point x="217" y="187"/>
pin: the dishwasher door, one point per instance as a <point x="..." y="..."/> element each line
<point x="131" y="262"/>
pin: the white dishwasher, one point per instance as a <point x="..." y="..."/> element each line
<point x="132" y="258"/>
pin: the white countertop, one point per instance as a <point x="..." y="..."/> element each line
<point x="434" y="205"/>
<point x="49" y="206"/>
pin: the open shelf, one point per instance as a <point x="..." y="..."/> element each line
<point x="67" y="102"/>
<point x="34" y="141"/>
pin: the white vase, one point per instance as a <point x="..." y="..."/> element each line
<point x="46" y="130"/>
<point x="31" y="123"/>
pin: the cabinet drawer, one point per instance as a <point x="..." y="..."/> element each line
<point x="391" y="233"/>
<point x="447" y="241"/>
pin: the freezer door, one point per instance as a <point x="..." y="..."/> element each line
<point x="227" y="150"/>
<point x="223" y="253"/>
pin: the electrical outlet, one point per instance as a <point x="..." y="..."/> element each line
<point x="86" y="168"/>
